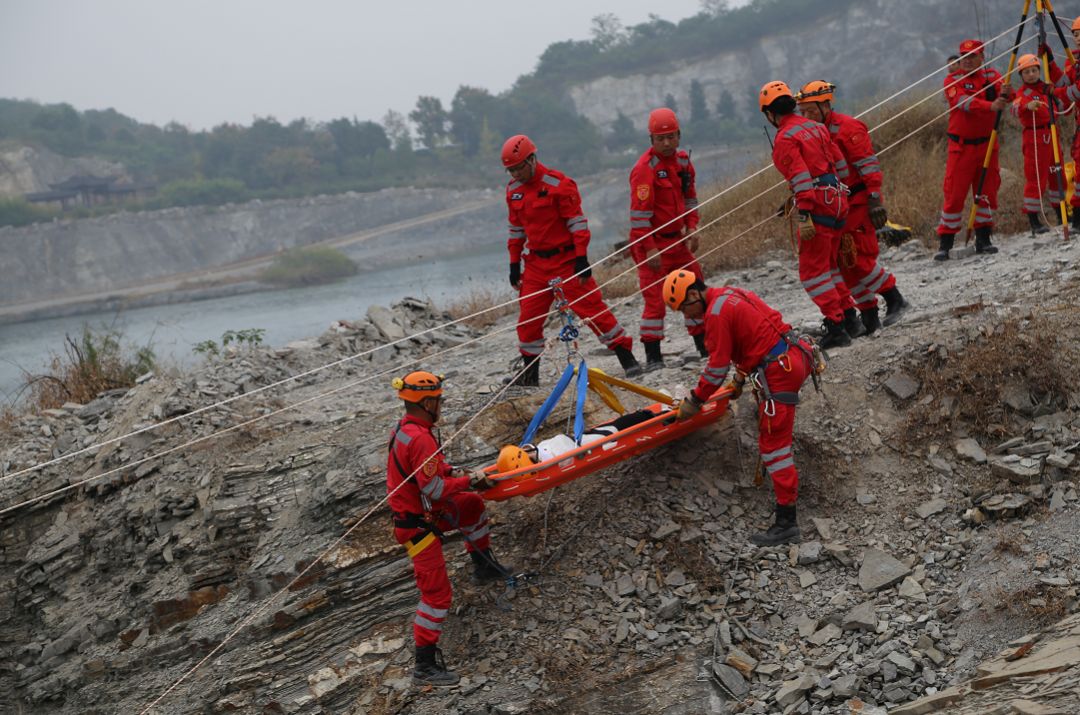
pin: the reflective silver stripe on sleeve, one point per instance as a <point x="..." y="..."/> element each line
<point x="402" y="437"/>
<point x="793" y="130"/>
<point x="577" y="223"/>
<point x="691" y="203"/>
<point x="434" y="488"/>
<point x="551" y="180"/>
<point x="641" y="214"/>
<point x="715" y="309"/>
<point x="514" y="185"/>
<point x="684" y="161"/>
<point x="640" y="223"/>
<point x="653" y="161"/>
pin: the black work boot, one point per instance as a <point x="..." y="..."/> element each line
<point x="431" y="670"/>
<point x="945" y="242"/>
<point x="982" y="241"/>
<point x="629" y="363"/>
<point x="653" y="359"/>
<point x="1037" y="227"/>
<point x="699" y="343"/>
<point x="895" y="306"/>
<point x="784" y="531"/>
<point x="852" y="325"/>
<point x="835" y="336"/>
<point x="870" y="320"/>
<point x="486" y="567"/>
<point x="530" y="376"/>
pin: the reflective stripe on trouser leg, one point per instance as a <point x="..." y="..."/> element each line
<point x="962" y="170"/>
<point x="532" y="309"/>
<point x="867" y="249"/>
<point x="677" y="256"/>
<point x="653" y="310"/>
<point x="465" y="512"/>
<point x="429" y="569"/>
<point x="775" y="432"/>
<point x="815" y="272"/>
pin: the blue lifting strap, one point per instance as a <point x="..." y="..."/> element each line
<point x="579" y="409"/>
<point x="549" y="405"/>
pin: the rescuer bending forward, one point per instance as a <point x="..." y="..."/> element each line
<point x="545" y="217"/>
<point x="432" y="501"/>
<point x="743" y="332"/>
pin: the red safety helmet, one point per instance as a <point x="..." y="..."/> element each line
<point x="817" y="91"/>
<point x="971" y="46"/>
<point x="675" y="286"/>
<point x="517" y="149"/>
<point x="418" y="385"/>
<point x="772" y="91"/>
<point x="1026" y="61"/>
<point x="663" y="121"/>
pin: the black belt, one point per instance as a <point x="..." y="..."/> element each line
<point x="673" y="234"/>
<point x="826" y="180"/>
<point x="861" y="186"/>
<point x="415" y="521"/>
<point x="970" y="142"/>
<point x="552" y="252"/>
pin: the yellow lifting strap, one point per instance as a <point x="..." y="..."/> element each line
<point x="601" y="383"/>
<point x="415" y="548"/>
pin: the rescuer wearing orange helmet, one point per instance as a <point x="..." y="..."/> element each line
<point x="545" y="218"/>
<point x="814" y="168"/>
<point x="975" y="94"/>
<point x="859" y="249"/>
<point x="743" y="332"/>
<point x="428" y="498"/>
<point x="663" y="209"/>
<point x="1068" y="91"/>
<point x="1032" y="106"/>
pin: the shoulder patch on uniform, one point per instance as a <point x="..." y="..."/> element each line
<point x="642" y="192"/>
<point x="430" y="468"/>
<point x="952" y="91"/>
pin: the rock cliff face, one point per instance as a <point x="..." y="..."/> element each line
<point x="872" y="49"/>
<point x="25" y="169"/>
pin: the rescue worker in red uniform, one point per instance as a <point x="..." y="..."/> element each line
<point x="1032" y="106"/>
<point x="744" y="333"/>
<point x="805" y="154"/>
<point x="428" y="498"/>
<point x="859" y="248"/>
<point x="1068" y="92"/>
<point x="663" y="210"/>
<point x="545" y="218"/>
<point x="974" y="93"/>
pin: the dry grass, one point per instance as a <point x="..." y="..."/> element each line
<point x="1044" y="605"/>
<point x="968" y="385"/>
<point x="478" y="300"/>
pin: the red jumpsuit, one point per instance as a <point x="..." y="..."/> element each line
<point x="971" y="120"/>
<point x="657" y="204"/>
<point x="742" y="330"/>
<point x="440" y="500"/>
<point x="546" y="212"/>
<point x="1037" y="143"/>
<point x="805" y="154"/>
<point x="858" y="264"/>
<point x="1068" y="93"/>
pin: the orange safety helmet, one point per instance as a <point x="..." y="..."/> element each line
<point x="772" y="91"/>
<point x="517" y="149"/>
<point x="675" y="286"/>
<point x="512" y="457"/>
<point x="1026" y="61"/>
<point x="817" y="91"/>
<point x="971" y="46"/>
<point x="418" y="385"/>
<point x="663" y="121"/>
<point x="1076" y="24"/>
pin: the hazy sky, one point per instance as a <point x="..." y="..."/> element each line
<point x="203" y="62"/>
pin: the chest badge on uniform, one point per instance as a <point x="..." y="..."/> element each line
<point x="662" y="174"/>
<point x="517" y="196"/>
<point x="430" y="468"/>
<point x="643" y="192"/>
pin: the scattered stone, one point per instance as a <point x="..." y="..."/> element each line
<point x="732" y="680"/>
<point x="968" y="448"/>
<point x="794" y="690"/>
<point x="928" y="509"/>
<point x="809" y="552"/>
<point x="862" y="617"/>
<point x="902" y="386"/>
<point x="879" y="570"/>
<point x="911" y="590"/>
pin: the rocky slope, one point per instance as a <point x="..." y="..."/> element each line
<point x="931" y="540"/>
<point x="25" y="169"/>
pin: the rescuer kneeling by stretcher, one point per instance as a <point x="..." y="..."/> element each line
<point x="433" y="500"/>
<point x="741" y="330"/>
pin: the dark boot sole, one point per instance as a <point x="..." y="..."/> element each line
<point x="894" y="317"/>
<point x="788" y="537"/>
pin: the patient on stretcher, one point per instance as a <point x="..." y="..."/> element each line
<point x="512" y="457"/>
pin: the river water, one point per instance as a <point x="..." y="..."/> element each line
<point x="286" y="315"/>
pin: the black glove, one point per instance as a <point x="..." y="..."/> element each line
<point x="581" y="267"/>
<point x="480" y="483"/>
<point x="991" y="93"/>
<point x="878" y="216"/>
<point x="515" y="274"/>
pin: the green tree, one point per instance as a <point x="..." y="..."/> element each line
<point x="623" y="135"/>
<point x="469" y="109"/>
<point x="397" y="131"/>
<point x="607" y="31"/>
<point x="725" y="105"/>
<point x="699" y="110"/>
<point x="670" y="103"/>
<point x="430" y="119"/>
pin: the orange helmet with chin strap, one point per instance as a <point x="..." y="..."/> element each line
<point x="1076" y="24"/>
<point x="817" y="91"/>
<point x="772" y="91"/>
<point x="512" y="457"/>
<point x="517" y="149"/>
<point x="418" y="386"/>
<point x="1026" y="61"/>
<point x="675" y="286"/>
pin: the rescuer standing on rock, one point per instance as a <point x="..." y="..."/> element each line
<point x="859" y="248"/>
<point x="432" y="501"/>
<point x="743" y="332"/>
<point x="545" y="217"/>
<point x="975" y="93"/>
<point x="663" y="209"/>
<point x="1032" y="106"/>
<point x="805" y="154"/>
